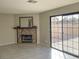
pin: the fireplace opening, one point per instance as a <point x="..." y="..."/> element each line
<point x="26" y="38"/>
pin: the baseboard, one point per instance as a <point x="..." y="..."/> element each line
<point x="7" y="43"/>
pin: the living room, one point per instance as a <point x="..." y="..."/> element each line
<point x="15" y="30"/>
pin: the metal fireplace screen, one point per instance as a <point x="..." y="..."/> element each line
<point x="26" y="38"/>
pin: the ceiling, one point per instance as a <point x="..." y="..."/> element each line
<point x="22" y="7"/>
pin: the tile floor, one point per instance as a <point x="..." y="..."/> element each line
<point x="26" y="51"/>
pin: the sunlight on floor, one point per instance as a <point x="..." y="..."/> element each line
<point x="60" y="55"/>
<point x="56" y="54"/>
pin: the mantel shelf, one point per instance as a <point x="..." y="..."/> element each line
<point x="26" y="27"/>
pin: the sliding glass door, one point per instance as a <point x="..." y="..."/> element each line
<point x="65" y="33"/>
<point x="56" y="32"/>
<point x="70" y="34"/>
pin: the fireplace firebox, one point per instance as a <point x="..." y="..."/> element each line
<point x="26" y="38"/>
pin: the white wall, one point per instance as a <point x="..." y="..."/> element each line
<point x="7" y="33"/>
<point x="35" y="23"/>
<point x="45" y="21"/>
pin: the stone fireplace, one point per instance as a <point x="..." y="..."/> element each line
<point x="26" y="34"/>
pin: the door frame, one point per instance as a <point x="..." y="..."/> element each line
<point x="62" y="32"/>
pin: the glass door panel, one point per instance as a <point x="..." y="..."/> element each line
<point x="56" y="32"/>
<point x="75" y="34"/>
<point x="70" y="33"/>
<point x="65" y="33"/>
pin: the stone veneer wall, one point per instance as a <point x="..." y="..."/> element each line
<point x="30" y="31"/>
